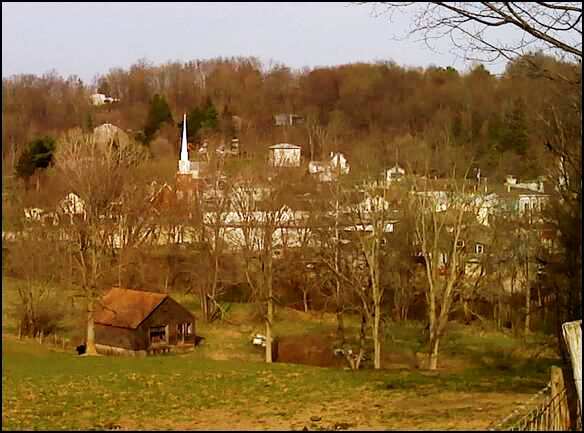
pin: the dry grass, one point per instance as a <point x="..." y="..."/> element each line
<point x="224" y="385"/>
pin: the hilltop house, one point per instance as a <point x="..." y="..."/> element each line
<point x="288" y="119"/>
<point x="100" y="99"/>
<point x="285" y="155"/>
<point x="138" y="322"/>
<point x="325" y="171"/>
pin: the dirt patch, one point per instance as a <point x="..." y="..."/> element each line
<point x="362" y="411"/>
<point x="309" y="350"/>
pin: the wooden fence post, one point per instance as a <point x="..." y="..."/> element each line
<point x="558" y="393"/>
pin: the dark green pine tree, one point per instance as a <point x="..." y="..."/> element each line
<point x="158" y="113"/>
<point x="514" y="134"/>
<point x="38" y="155"/>
<point x="199" y="118"/>
<point x="211" y="118"/>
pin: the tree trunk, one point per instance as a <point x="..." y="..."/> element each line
<point x="340" y="325"/>
<point x="376" y="339"/>
<point x="90" y="348"/>
<point x="466" y="310"/>
<point x="270" y="316"/>
<point x="433" y="331"/>
<point x="377" y="316"/>
<point x="527" y="307"/>
<point x="204" y="303"/>
<point x="497" y="309"/>
<point x="305" y="299"/>
<point x="269" y="320"/>
<point x="433" y="357"/>
<point x="338" y="298"/>
<point x="527" y="298"/>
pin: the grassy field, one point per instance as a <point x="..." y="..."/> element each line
<point x="223" y="384"/>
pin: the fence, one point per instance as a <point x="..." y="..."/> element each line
<point x="553" y="408"/>
<point x="547" y="410"/>
<point x="573" y="335"/>
<point x="53" y="340"/>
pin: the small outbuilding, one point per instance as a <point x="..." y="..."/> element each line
<point x="139" y="322"/>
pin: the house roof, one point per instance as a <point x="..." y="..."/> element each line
<point x="125" y="308"/>
<point x="515" y="191"/>
<point x="284" y="146"/>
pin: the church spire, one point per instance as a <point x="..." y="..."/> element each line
<point x="184" y="164"/>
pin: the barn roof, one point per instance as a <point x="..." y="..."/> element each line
<point x="127" y="308"/>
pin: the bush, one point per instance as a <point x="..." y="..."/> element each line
<point x="38" y="309"/>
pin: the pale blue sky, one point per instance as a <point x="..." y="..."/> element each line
<point x="90" y="38"/>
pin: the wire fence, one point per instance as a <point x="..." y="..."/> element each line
<point x="544" y="411"/>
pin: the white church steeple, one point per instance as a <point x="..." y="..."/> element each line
<point x="184" y="165"/>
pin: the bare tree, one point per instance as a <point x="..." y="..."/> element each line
<point x="442" y="217"/>
<point x="259" y="218"/>
<point x="355" y="252"/>
<point x="215" y="213"/>
<point x="371" y="223"/>
<point x="96" y="173"/>
<point x="471" y="26"/>
<point x="555" y="27"/>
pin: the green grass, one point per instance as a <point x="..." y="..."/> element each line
<point x="45" y="389"/>
<point x="480" y="374"/>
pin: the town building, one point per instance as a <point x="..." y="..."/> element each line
<point x="326" y="171"/>
<point x="285" y="155"/>
<point x="190" y="174"/>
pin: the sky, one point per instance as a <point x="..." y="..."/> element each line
<point x="87" y="39"/>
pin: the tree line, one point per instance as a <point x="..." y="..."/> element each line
<point x="361" y="109"/>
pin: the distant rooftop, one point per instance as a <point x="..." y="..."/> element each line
<point x="285" y="146"/>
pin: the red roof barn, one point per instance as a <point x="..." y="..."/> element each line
<point x="135" y="321"/>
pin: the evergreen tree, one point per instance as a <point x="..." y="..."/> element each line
<point x="201" y="118"/>
<point x="38" y="155"/>
<point x="514" y="135"/>
<point x="158" y="113"/>
<point x="210" y="116"/>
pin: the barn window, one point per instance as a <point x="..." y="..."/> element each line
<point x="158" y="334"/>
<point x="184" y="330"/>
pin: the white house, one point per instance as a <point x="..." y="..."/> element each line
<point x="100" y="99"/>
<point x="532" y="185"/>
<point x="339" y="162"/>
<point x="287" y="119"/>
<point x="394" y="174"/>
<point x="285" y="155"/>
<point x="327" y="170"/>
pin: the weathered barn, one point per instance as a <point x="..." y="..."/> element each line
<point x="138" y="322"/>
